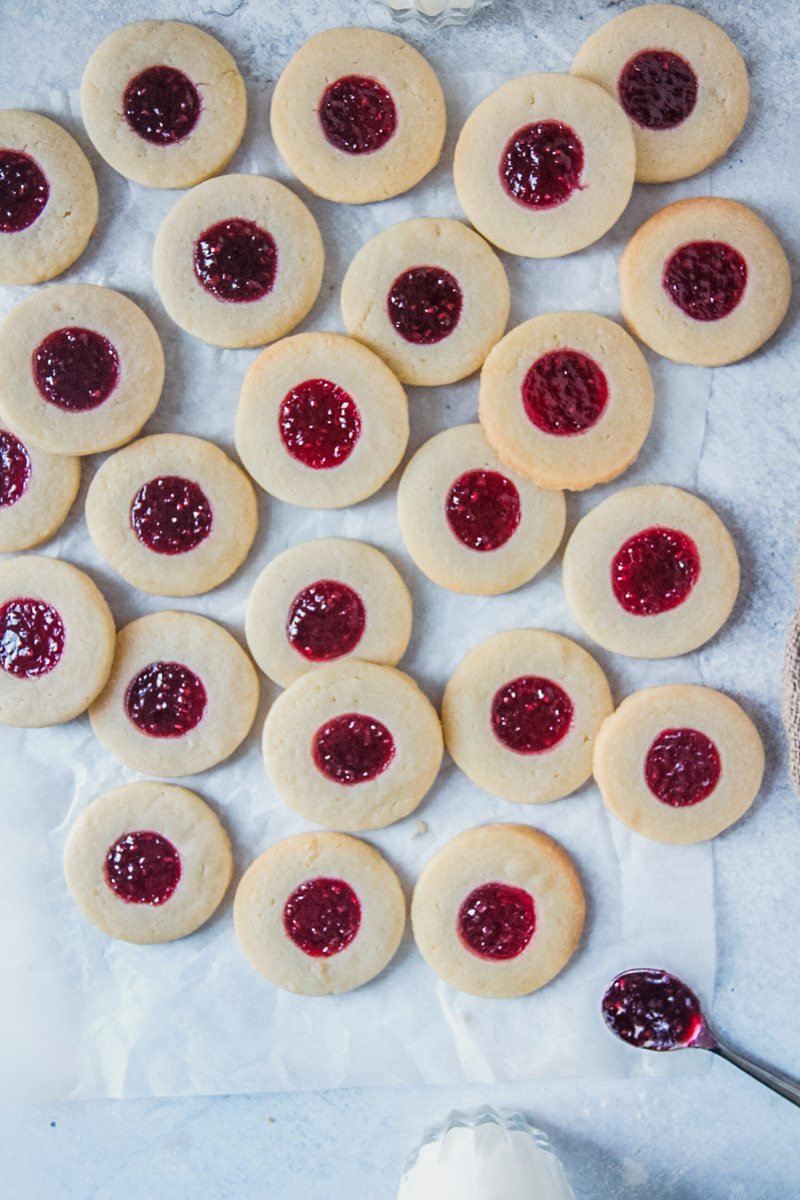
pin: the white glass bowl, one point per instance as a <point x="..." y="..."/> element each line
<point x="434" y="13"/>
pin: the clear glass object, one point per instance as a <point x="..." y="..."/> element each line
<point x="434" y="13"/>
<point x="484" y="1155"/>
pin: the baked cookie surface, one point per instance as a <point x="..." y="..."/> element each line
<point x="36" y="492"/>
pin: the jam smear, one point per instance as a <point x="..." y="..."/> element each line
<point x="706" y="280"/>
<point x="319" y="424"/>
<point x="497" y="921"/>
<point x="357" y="114"/>
<point x="236" y="261"/>
<point x="682" y="767"/>
<point x="326" y="620"/>
<point x="424" y="305"/>
<point x="654" y="571"/>
<point x="531" y="714"/>
<point x="483" y="509"/>
<point x="542" y="164"/>
<point x="657" y="89"/>
<point x="143" y="867"/>
<point x="24" y="191"/>
<point x="15" y="469"/>
<point x="32" y="637"/>
<point x="564" y="393"/>
<point x="75" y="369"/>
<point x="653" y="1010"/>
<point x="166" y="700"/>
<point x="322" y="916"/>
<point x="171" y="515"/>
<point x="162" y="105"/>
<point x="352" y="748"/>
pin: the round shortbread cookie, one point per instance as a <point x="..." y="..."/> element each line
<point x="544" y="165"/>
<point x="164" y="103"/>
<point x="428" y="295"/>
<point x="521" y="712"/>
<point x="469" y="522"/>
<point x="322" y="421"/>
<point x="325" y="601"/>
<point x="36" y="492"/>
<point x="567" y="400"/>
<point x="56" y="641"/>
<point x="358" y="115"/>
<point x="678" y="763"/>
<point x="148" y="862"/>
<point x="498" y="911"/>
<point x="181" y="697"/>
<point x="83" y="369"/>
<point x="238" y="261"/>
<point x="651" y="572"/>
<point x="704" y="281"/>
<point x="48" y="198"/>
<point x="319" y="914"/>
<point x="172" y="514"/>
<point x="353" y="745"/>
<point x="679" y="79"/>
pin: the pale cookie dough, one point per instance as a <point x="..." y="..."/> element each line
<point x="358" y="115"/>
<point x="83" y="369"/>
<point x="567" y="400"/>
<point x="498" y="911"/>
<point x="238" y="261"/>
<point x="149" y="862"/>
<point x="572" y="169"/>
<point x="651" y="572"/>
<point x="48" y="198"/>
<point x="325" y="601"/>
<point x="319" y="914"/>
<point x="181" y="697"/>
<point x="679" y="79"/>
<point x="521" y="712"/>
<point x="172" y="514"/>
<point x="352" y="745"/>
<point x="322" y="421"/>
<point x="704" y="281"/>
<point x="469" y="522"/>
<point x="164" y="103"/>
<point x="36" y="492"/>
<point x="56" y="641"/>
<point x="428" y="295"/>
<point x="678" y="763"/>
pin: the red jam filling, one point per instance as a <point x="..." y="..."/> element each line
<point x="541" y="165"/>
<point x="162" y="105"/>
<point x="32" y="637"/>
<point x="654" y="571"/>
<point x="352" y="748"/>
<point x="682" y="767"/>
<point x="143" y="867"/>
<point x="319" y="423"/>
<point x="322" y="916"/>
<point x="326" y="620"/>
<point x="15" y="469"/>
<point x="497" y="921"/>
<point x="483" y="509"/>
<point x="652" y="1010"/>
<point x="424" y="305"/>
<point x="236" y="261"/>
<point x="24" y="191"/>
<point x="564" y="393"/>
<point x="75" y="369"/>
<point x="706" y="280"/>
<point x="357" y="114"/>
<point x="531" y="714"/>
<point x="166" y="700"/>
<point x="171" y="515"/>
<point x="657" y="89"/>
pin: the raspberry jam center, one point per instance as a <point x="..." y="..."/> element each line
<point x="682" y="767"/>
<point x="322" y="916"/>
<point x="326" y="620"/>
<point x="352" y="748"/>
<point x="654" y="571"/>
<point x="24" y="191"/>
<point x="162" y="105"/>
<point x="166" y="700"/>
<point x="319" y="423"/>
<point x="497" y="921"/>
<point x="424" y="305"/>
<point x="706" y="280"/>
<point x="531" y="714"/>
<point x="564" y="393"/>
<point x="75" y="369"/>
<point x="171" y="515"/>
<point x="32" y="637"/>
<point x="542" y="164"/>
<point x="143" y="867"/>
<point x="357" y="114"/>
<point x="236" y="261"/>
<point x="483" y="509"/>
<point x="15" y="469"/>
<point x="657" y="89"/>
<point x="652" y="1010"/>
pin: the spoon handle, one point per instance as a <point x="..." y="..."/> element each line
<point x="788" y="1088"/>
